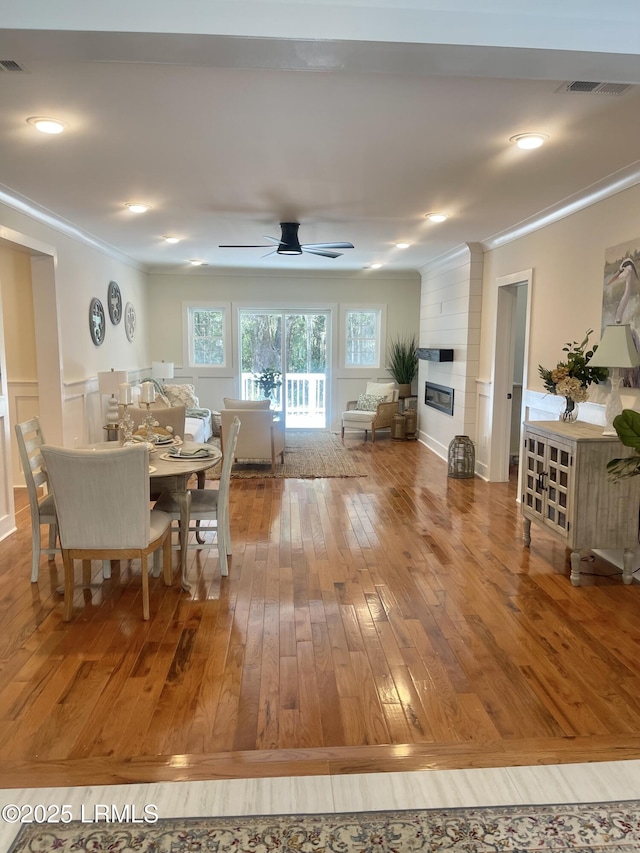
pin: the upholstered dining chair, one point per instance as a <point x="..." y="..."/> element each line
<point x="102" y="505"/>
<point x="30" y="440"/>
<point x="209" y="505"/>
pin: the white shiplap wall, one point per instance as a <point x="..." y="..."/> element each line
<point x="450" y="312"/>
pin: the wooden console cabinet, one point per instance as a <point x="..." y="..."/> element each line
<point x="565" y="488"/>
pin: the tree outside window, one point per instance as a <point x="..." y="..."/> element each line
<point x="207" y="336"/>
<point x="363" y="337"/>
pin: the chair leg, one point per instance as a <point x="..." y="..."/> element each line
<point x="145" y="587"/>
<point x="166" y="559"/>
<point x="68" y="586"/>
<point x="35" y="553"/>
<point x="86" y="572"/>
<point x="106" y="570"/>
<point x="373" y="435"/>
<point x="343" y="431"/>
<point x="53" y="535"/>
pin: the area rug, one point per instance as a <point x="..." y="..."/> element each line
<point x="611" y="827"/>
<point x="308" y="454"/>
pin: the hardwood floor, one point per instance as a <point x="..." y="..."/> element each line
<point x="387" y="622"/>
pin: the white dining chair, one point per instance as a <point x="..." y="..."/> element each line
<point x="102" y="505"/>
<point x="209" y="505"/>
<point x="30" y="439"/>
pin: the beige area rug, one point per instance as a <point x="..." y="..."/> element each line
<point x="309" y="453"/>
<point x="611" y="827"/>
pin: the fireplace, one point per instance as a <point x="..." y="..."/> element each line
<point x="439" y="397"/>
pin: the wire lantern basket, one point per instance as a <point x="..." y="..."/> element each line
<point x="462" y="458"/>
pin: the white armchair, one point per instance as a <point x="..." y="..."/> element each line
<point x="261" y="436"/>
<point x="373" y="410"/>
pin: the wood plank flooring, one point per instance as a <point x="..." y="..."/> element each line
<point x="387" y="622"/>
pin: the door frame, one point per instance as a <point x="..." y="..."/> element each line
<point x="502" y="371"/>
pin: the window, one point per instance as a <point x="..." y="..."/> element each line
<point x="207" y="335"/>
<point x="362" y="338"/>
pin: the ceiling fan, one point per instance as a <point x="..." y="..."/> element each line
<point x="288" y="244"/>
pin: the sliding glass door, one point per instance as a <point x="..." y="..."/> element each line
<point x="290" y="348"/>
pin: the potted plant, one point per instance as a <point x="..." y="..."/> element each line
<point x="627" y="426"/>
<point x="268" y="382"/>
<point x="402" y="360"/>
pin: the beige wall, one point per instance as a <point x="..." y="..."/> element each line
<point x="567" y="259"/>
<point x="17" y="306"/>
<point x="400" y="294"/>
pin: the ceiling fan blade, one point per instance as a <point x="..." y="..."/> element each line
<point x="328" y="246"/>
<point x="322" y="252"/>
<point x="272" y="252"/>
<point x="243" y="246"/>
<point x="272" y="239"/>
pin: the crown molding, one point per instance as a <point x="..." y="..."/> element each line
<point x="40" y="214"/>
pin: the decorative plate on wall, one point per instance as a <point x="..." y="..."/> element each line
<point x="129" y="320"/>
<point x="114" y="302"/>
<point x="97" y="322"/>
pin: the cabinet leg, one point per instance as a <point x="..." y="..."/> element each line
<point x="576" y="559"/>
<point x="526" y="531"/>
<point x="627" y="566"/>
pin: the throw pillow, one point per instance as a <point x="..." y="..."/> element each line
<point x="230" y="403"/>
<point x="161" y="402"/>
<point x="182" y="395"/>
<point x="386" y="389"/>
<point x="369" y="402"/>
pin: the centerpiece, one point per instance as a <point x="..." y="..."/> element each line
<point x="572" y="377"/>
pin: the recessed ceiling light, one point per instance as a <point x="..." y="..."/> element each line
<point x="169" y="239"/>
<point x="437" y="217"/>
<point x="402" y="245"/>
<point x="137" y="207"/>
<point x="375" y="266"/>
<point x="197" y="263"/>
<point x="47" y="125"/>
<point x="529" y="140"/>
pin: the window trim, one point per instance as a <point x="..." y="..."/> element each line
<point x="227" y="348"/>
<point x="381" y="311"/>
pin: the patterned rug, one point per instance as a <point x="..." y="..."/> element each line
<point x="309" y="453"/>
<point x="611" y="827"/>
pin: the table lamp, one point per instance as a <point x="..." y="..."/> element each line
<point x="162" y="370"/>
<point x="616" y="350"/>
<point x="109" y="382"/>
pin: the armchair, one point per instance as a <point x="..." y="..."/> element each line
<point x="261" y="437"/>
<point x="374" y="410"/>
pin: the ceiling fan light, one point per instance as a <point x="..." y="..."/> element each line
<point x="287" y="251"/>
<point x="437" y="217"/>
<point x="47" y="125"/>
<point x="528" y="141"/>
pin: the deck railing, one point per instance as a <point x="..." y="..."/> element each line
<point x="305" y="393"/>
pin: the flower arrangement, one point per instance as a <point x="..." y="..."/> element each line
<point x="268" y="381"/>
<point x="572" y="377"/>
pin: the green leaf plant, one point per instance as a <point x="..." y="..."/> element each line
<point x="627" y="426"/>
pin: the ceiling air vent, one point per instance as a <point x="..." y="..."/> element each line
<point x="594" y="88"/>
<point x="10" y="65"/>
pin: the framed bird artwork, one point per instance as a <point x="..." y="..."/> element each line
<point x="621" y="296"/>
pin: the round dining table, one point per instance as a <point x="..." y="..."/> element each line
<point x="172" y="474"/>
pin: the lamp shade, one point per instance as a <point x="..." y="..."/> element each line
<point x="162" y="369"/>
<point x="109" y="381"/>
<point x="616" y="349"/>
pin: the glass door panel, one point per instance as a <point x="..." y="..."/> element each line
<point x="302" y="395"/>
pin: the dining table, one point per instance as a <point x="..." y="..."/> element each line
<point x="172" y="474"/>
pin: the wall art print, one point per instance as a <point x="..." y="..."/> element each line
<point x="621" y="296"/>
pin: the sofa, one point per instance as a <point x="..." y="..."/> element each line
<point x="261" y="437"/>
<point x="198" y="424"/>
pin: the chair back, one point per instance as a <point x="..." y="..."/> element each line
<point x="229" y="455"/>
<point x="255" y="441"/>
<point x="101" y="496"/>
<point x="167" y="416"/>
<point x="30" y="440"/>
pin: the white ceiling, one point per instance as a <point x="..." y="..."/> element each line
<point x="226" y="133"/>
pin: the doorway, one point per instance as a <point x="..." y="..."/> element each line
<point x="509" y="374"/>
<point x="292" y="347"/>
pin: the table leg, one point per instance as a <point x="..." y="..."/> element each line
<point x="576" y="559"/>
<point x="183" y="498"/>
<point x="627" y="566"/>
<point x="526" y="531"/>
